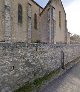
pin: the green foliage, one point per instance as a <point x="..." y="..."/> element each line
<point x="28" y="87"/>
<point x="40" y="81"/>
<point x="36" y="84"/>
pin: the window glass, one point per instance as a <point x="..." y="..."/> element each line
<point x="19" y="13"/>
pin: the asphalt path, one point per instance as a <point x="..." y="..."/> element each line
<point x="68" y="82"/>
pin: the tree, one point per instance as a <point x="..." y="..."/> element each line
<point x="75" y="39"/>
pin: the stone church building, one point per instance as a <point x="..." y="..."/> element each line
<point x="27" y="21"/>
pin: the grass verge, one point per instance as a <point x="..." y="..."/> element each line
<point x="36" y="84"/>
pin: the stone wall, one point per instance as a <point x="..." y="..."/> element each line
<point x="22" y="62"/>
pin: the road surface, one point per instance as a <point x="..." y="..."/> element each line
<point x="68" y="82"/>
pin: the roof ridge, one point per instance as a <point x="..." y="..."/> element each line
<point x="37" y="4"/>
<point x="49" y="3"/>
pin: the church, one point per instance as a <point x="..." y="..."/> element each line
<point x="27" y="21"/>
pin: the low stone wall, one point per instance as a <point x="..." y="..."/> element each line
<point x="22" y="62"/>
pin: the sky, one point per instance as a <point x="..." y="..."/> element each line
<point x="72" y="8"/>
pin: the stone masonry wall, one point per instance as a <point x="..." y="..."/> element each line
<point x="22" y="62"/>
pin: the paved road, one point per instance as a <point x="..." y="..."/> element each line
<point x="68" y="82"/>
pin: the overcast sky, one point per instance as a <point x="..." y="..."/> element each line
<point x="72" y="8"/>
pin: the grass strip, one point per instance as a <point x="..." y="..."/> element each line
<point x="37" y="83"/>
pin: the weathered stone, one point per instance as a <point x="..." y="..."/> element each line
<point x="21" y="64"/>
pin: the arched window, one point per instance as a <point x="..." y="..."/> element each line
<point x="35" y="21"/>
<point x="60" y="19"/>
<point x="19" y="13"/>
